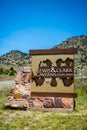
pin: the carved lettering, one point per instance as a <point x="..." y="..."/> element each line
<point x="63" y="70"/>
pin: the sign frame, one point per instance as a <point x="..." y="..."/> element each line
<point x="68" y="51"/>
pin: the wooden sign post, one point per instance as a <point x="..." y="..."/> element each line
<point x="53" y="78"/>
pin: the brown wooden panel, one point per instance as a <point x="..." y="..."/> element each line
<point x="51" y="94"/>
<point x="53" y="51"/>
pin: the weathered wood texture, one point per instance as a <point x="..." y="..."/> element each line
<point x="53" y="51"/>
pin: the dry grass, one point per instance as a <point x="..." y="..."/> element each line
<point x="35" y="120"/>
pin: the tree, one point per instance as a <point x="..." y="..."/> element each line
<point x="12" y="71"/>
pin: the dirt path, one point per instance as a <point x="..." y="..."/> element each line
<point x="6" y="83"/>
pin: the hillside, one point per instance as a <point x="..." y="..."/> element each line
<point x="79" y="42"/>
<point x="15" y="58"/>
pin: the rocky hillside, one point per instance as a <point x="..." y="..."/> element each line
<point x="18" y="58"/>
<point x="79" y="42"/>
<point x="15" y="58"/>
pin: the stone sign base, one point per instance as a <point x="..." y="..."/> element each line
<point x="42" y="104"/>
<point x="51" y="102"/>
<point x="20" y="96"/>
<point x="20" y="92"/>
<point x="57" y="104"/>
<point x="17" y="103"/>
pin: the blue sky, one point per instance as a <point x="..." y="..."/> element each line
<point x="40" y="24"/>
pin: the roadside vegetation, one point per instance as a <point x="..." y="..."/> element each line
<point x="34" y="120"/>
<point x="7" y="73"/>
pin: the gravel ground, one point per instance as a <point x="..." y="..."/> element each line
<point x="6" y="83"/>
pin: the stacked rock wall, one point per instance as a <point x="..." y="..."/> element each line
<point x="20" y="95"/>
<point x="51" y="102"/>
<point x="20" y="92"/>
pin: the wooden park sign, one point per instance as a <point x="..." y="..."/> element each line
<point x="53" y="78"/>
<point x="53" y="72"/>
<point x="47" y="84"/>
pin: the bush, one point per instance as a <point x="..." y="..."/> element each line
<point x="12" y="73"/>
<point x="11" y="69"/>
<point x="1" y="70"/>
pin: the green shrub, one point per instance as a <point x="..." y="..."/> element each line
<point x="1" y="70"/>
<point x="12" y="73"/>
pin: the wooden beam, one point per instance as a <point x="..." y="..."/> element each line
<point x="53" y="51"/>
<point x="51" y="94"/>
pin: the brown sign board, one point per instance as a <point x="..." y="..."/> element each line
<point x="53" y="72"/>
